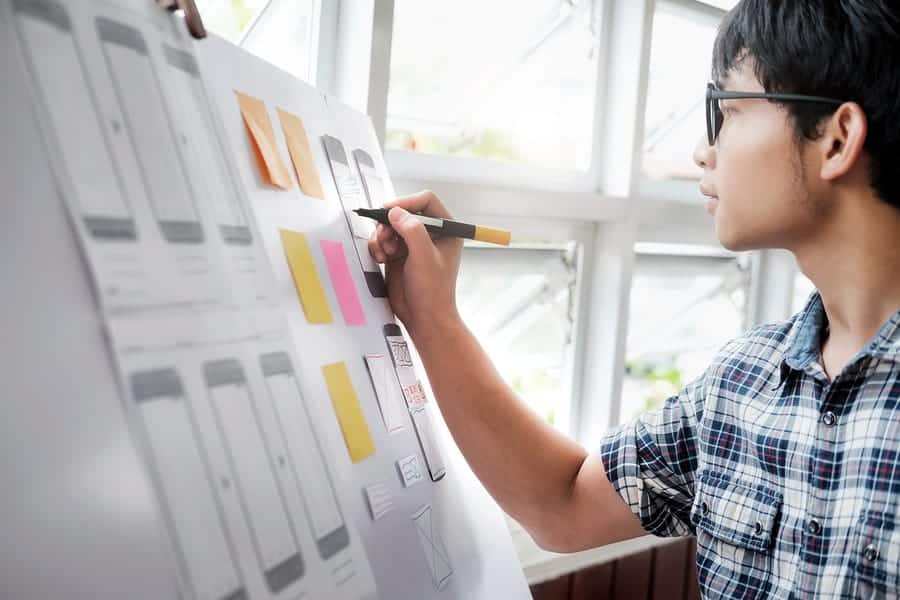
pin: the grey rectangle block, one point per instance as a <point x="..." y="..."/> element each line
<point x="223" y="372"/>
<point x="182" y="232"/>
<point x="276" y="363"/>
<point x="45" y="10"/>
<point x="111" y="228"/>
<point x="236" y="234"/>
<point x="148" y="385"/>
<point x="121" y="34"/>
<point x="334" y="542"/>
<point x="284" y="574"/>
<point x="181" y="60"/>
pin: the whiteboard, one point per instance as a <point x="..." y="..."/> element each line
<point x="89" y="444"/>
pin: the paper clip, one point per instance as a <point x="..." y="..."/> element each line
<point x="191" y="15"/>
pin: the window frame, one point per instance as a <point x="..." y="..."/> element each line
<point x="608" y="209"/>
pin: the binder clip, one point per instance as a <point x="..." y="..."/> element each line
<point x="191" y="15"/>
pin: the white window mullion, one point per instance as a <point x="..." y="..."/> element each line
<point x="380" y="68"/>
<point x="605" y="323"/>
<point x="354" y="55"/>
<point x="601" y="362"/>
<point x="772" y="289"/>
<point x="326" y="64"/>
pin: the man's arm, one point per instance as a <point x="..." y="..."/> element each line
<point x="540" y="477"/>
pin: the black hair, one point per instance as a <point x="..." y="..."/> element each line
<point x="843" y="49"/>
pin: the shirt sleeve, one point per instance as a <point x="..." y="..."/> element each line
<point x="652" y="461"/>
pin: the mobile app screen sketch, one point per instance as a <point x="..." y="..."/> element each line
<point x="352" y="196"/>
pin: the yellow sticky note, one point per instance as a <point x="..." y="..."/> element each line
<point x="349" y="412"/>
<point x="301" y="155"/>
<point x="306" y="279"/>
<point x="262" y="136"/>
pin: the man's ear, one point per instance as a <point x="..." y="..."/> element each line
<point x="842" y="140"/>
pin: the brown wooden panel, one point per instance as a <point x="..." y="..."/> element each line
<point x="691" y="587"/>
<point x="555" y="589"/>
<point x="633" y="576"/>
<point x="670" y="570"/>
<point x="593" y="583"/>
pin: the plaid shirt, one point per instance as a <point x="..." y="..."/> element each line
<point x="791" y="483"/>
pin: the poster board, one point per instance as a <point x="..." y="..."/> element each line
<point x="153" y="342"/>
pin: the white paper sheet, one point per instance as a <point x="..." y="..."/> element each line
<point x="433" y="547"/>
<point x="385" y="384"/>
<point x="378" y="496"/>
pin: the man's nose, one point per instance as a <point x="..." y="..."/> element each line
<point x="704" y="154"/>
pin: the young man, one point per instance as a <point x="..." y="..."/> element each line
<point x="783" y="458"/>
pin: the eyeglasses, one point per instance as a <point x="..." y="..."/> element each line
<point x="714" y="116"/>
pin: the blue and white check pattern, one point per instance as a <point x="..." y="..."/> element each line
<point x="791" y="483"/>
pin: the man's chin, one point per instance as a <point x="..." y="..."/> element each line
<point x="736" y="241"/>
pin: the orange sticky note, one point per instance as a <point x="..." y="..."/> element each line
<point x="301" y="155"/>
<point x="306" y="279"/>
<point x="349" y="412"/>
<point x="262" y="136"/>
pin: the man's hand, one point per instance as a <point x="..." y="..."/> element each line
<point x="420" y="272"/>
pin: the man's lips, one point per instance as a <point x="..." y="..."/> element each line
<point x="712" y="201"/>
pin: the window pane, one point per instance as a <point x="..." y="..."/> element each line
<point x="675" y="118"/>
<point x="504" y="80"/>
<point x="519" y="303"/>
<point x="683" y="309"/>
<point x="278" y="31"/>
<point x="803" y="288"/>
<point x="723" y="4"/>
<point x="230" y="18"/>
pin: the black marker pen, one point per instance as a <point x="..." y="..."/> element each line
<point x="445" y="227"/>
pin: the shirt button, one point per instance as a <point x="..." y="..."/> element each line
<point x="870" y="553"/>
<point x="704" y="508"/>
<point x="758" y="529"/>
<point x="829" y="418"/>
<point x="813" y="527"/>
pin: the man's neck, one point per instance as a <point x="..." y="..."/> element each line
<point x="854" y="262"/>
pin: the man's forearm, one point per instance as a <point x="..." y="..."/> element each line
<point x="529" y="467"/>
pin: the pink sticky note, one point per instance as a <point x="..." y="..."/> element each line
<point x="343" y="282"/>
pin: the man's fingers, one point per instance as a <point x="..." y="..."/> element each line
<point x="412" y="231"/>
<point x="425" y="202"/>
<point x="400" y="252"/>
<point x="376" y="251"/>
<point x="384" y="233"/>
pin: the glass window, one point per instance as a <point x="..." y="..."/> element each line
<point x="509" y="80"/>
<point x="519" y="302"/>
<point x="803" y="288"/>
<point x="682" y="310"/>
<point x="278" y="31"/>
<point x="680" y="66"/>
<point x="230" y="19"/>
<point x="723" y="4"/>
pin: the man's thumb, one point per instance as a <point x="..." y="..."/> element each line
<point x="410" y="229"/>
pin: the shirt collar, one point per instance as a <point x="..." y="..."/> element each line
<point x="802" y="344"/>
<point x="886" y="343"/>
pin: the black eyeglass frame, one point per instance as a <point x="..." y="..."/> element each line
<point x="715" y="118"/>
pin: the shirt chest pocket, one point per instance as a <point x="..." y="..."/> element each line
<point x="736" y="527"/>
<point x="875" y="555"/>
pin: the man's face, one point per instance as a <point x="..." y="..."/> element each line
<point x="755" y="174"/>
